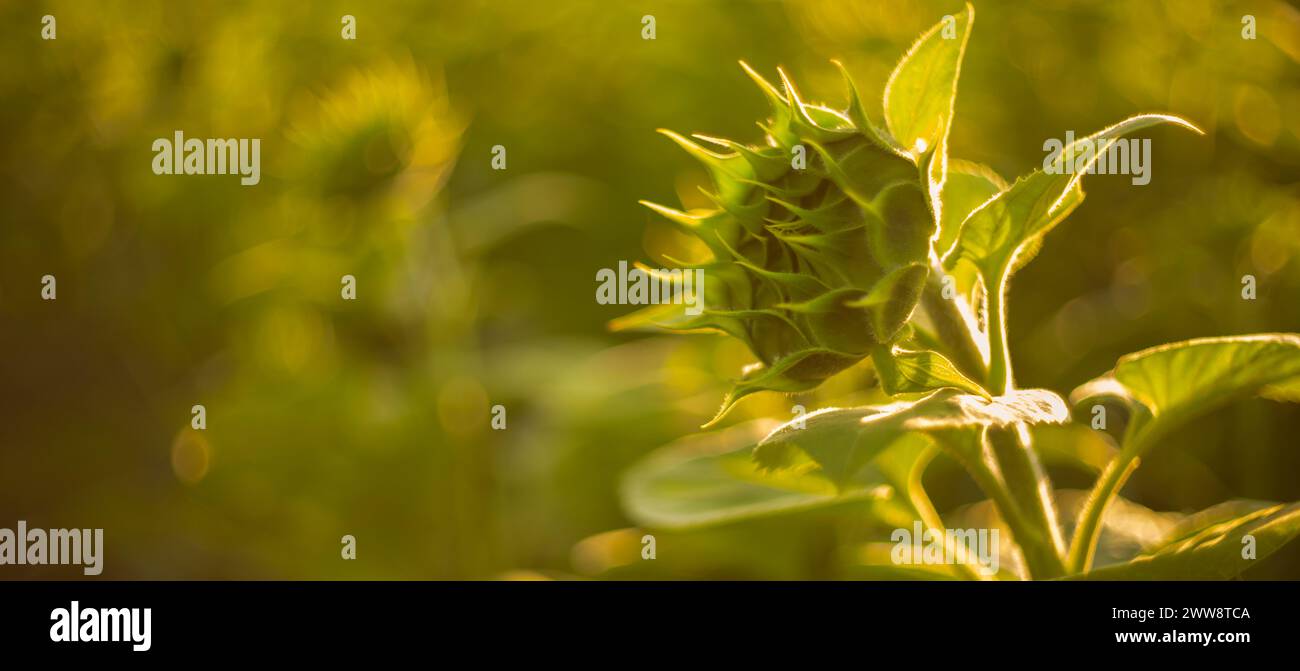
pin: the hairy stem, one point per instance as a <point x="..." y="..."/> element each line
<point x="1030" y="489"/>
<point x="1084" y="543"/>
<point x="1031" y="492"/>
<point x="952" y="328"/>
<point x="1000" y="380"/>
<point x="976" y="456"/>
<point x="996" y="490"/>
<point x="930" y="517"/>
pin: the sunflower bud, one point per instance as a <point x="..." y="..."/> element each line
<point x="820" y="241"/>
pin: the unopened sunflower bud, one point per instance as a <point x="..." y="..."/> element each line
<point x="813" y="268"/>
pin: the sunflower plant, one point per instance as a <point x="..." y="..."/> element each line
<point x="845" y="238"/>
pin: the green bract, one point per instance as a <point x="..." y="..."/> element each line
<point x="837" y="240"/>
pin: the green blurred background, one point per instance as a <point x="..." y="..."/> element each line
<point x="475" y="286"/>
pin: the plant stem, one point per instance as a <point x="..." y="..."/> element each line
<point x="1000" y="378"/>
<point x="1031" y="492"/>
<point x="930" y="517"/>
<point x="1007" y="470"/>
<point x="996" y="490"/>
<point x="1084" y="543"/>
<point x="952" y="328"/>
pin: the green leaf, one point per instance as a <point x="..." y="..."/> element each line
<point x="799" y="371"/>
<point x="968" y="186"/>
<point x="834" y="438"/>
<point x="843" y="440"/>
<point x="1164" y="387"/>
<point x="1004" y="233"/>
<point x="1214" y="550"/>
<point x="1171" y="384"/>
<point x="920" y="92"/>
<point x="1013" y="222"/>
<point x="711" y="478"/>
<point x="1219" y="513"/>
<point x="858" y="115"/>
<point x="963" y="411"/>
<point x="903" y="371"/>
<point x="1100" y="390"/>
<point x="1129" y="528"/>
